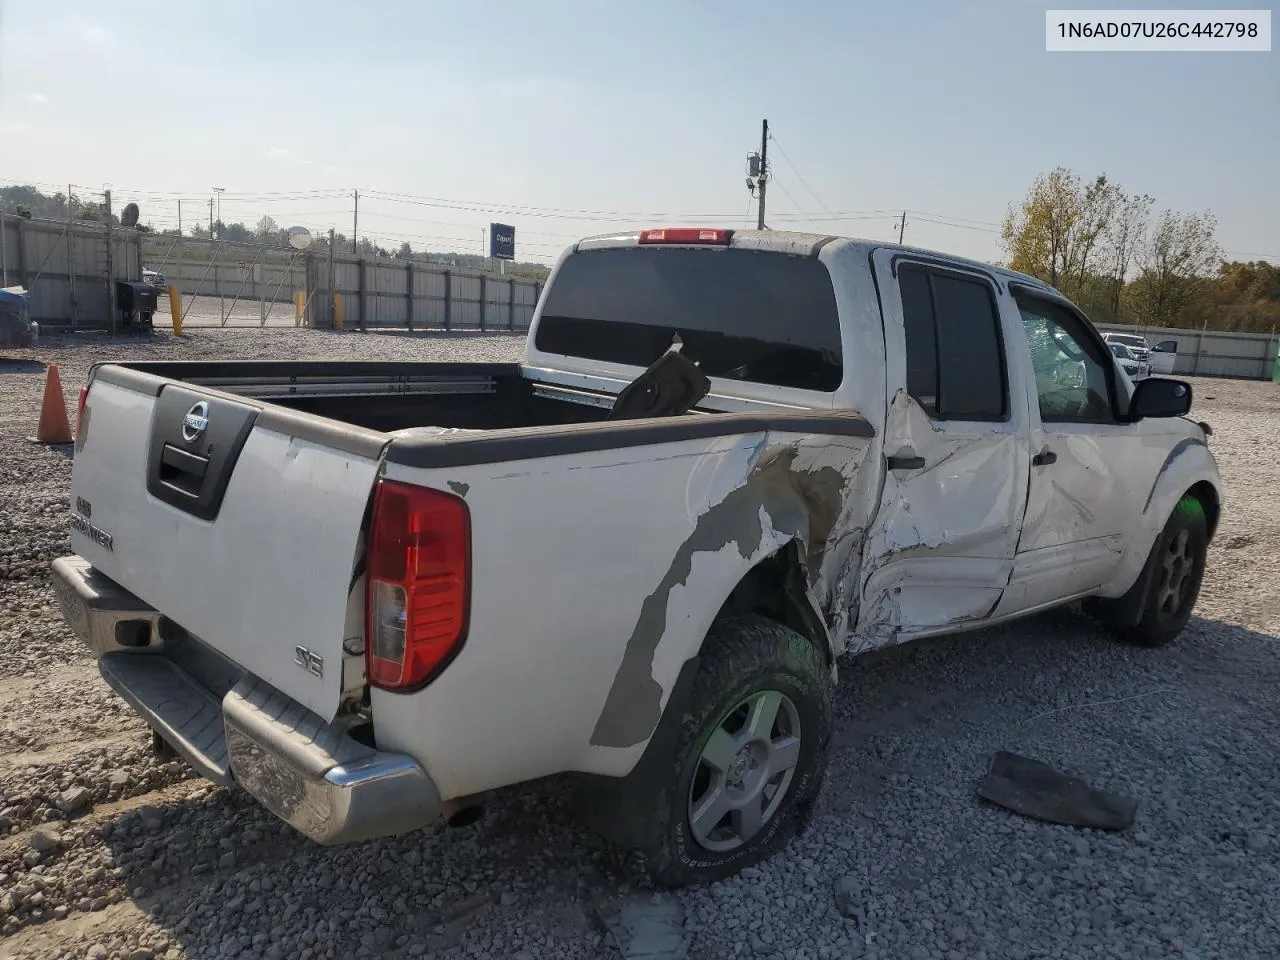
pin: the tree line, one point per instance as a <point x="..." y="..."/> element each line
<point x="1111" y="253"/>
<point x="28" y="201"/>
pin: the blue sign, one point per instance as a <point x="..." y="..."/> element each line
<point x="502" y="241"/>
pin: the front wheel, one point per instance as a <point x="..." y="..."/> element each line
<point x="1173" y="573"/>
<point x="749" y="759"/>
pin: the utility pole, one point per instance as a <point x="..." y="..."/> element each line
<point x="211" y="218"/>
<point x="71" y="272"/>
<point x="355" y="221"/>
<point x="333" y="296"/>
<point x="222" y="227"/>
<point x="902" y="225"/>
<point x="111" y="281"/>
<point x="179" y="218"/>
<point x="764" y="170"/>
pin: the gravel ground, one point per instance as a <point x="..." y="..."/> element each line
<point x="106" y="852"/>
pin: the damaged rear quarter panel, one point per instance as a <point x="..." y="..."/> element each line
<point x="793" y="488"/>
<point x="595" y="577"/>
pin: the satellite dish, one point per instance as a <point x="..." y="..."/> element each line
<point x="299" y="238"/>
<point x="129" y="215"/>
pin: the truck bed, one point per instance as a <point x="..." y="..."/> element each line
<point x="387" y="396"/>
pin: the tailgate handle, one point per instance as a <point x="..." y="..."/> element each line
<point x="182" y="471"/>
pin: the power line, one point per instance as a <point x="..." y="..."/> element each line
<point x="774" y="137"/>
<point x="787" y="193"/>
<point x="928" y="218"/>
<point x="1246" y="253"/>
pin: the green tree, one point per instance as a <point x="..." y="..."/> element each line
<point x="19" y="198"/>
<point x="1126" y="234"/>
<point x="1176" y="261"/>
<point x="236" y="233"/>
<point x="1058" y="231"/>
<point x="266" y="231"/>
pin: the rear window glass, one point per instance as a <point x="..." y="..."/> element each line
<point x="742" y="314"/>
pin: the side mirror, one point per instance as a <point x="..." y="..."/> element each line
<point x="1160" y="397"/>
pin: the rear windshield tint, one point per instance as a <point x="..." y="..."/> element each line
<point x="742" y="314"/>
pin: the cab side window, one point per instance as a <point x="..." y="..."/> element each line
<point x="1073" y="373"/>
<point x="955" y="354"/>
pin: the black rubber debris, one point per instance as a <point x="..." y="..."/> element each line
<point x="671" y="387"/>
<point x="1035" y="789"/>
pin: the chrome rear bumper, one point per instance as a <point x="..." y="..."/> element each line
<point x="311" y="774"/>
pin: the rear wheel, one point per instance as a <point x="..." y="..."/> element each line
<point x="1172" y="578"/>
<point x="749" y="759"/>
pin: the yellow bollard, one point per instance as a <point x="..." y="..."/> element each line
<point x="338" y="318"/>
<point x="299" y="307"/>
<point x="175" y="309"/>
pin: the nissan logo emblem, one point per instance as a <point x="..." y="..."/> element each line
<point x="195" y="422"/>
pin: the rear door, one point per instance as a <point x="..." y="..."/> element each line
<point x="237" y="521"/>
<point x="955" y="446"/>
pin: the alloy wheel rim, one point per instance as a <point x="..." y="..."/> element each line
<point x="1177" y="568"/>
<point x="744" y="771"/>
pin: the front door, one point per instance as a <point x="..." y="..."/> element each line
<point x="1086" y="462"/>
<point x="942" y="545"/>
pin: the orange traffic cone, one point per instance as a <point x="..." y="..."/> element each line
<point x="53" y="426"/>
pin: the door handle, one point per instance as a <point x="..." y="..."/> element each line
<point x="906" y="463"/>
<point x="1044" y="458"/>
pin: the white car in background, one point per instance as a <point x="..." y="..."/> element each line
<point x="1137" y="344"/>
<point x="1129" y="363"/>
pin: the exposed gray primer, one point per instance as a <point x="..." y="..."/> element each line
<point x="1177" y="450"/>
<point x="803" y="504"/>
<point x="460" y="488"/>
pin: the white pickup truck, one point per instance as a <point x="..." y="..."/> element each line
<point x="371" y="593"/>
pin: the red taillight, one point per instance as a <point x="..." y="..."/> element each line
<point x="418" y="573"/>
<point x="686" y="235"/>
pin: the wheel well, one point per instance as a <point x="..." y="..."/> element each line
<point x="1208" y="497"/>
<point x="774" y="588"/>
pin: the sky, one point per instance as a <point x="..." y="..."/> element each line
<point x="568" y="119"/>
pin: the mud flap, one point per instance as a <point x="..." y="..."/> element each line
<point x="614" y="807"/>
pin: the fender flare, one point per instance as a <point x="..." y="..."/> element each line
<point x="1188" y="467"/>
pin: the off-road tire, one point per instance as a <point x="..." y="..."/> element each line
<point x="1160" y="621"/>
<point x="742" y="655"/>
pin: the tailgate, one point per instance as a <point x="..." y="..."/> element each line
<point x="238" y="521"/>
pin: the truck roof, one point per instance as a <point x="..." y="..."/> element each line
<point x="805" y="243"/>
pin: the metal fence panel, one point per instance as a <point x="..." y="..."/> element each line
<point x="66" y="268"/>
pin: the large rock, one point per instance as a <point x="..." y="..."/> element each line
<point x="73" y="800"/>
